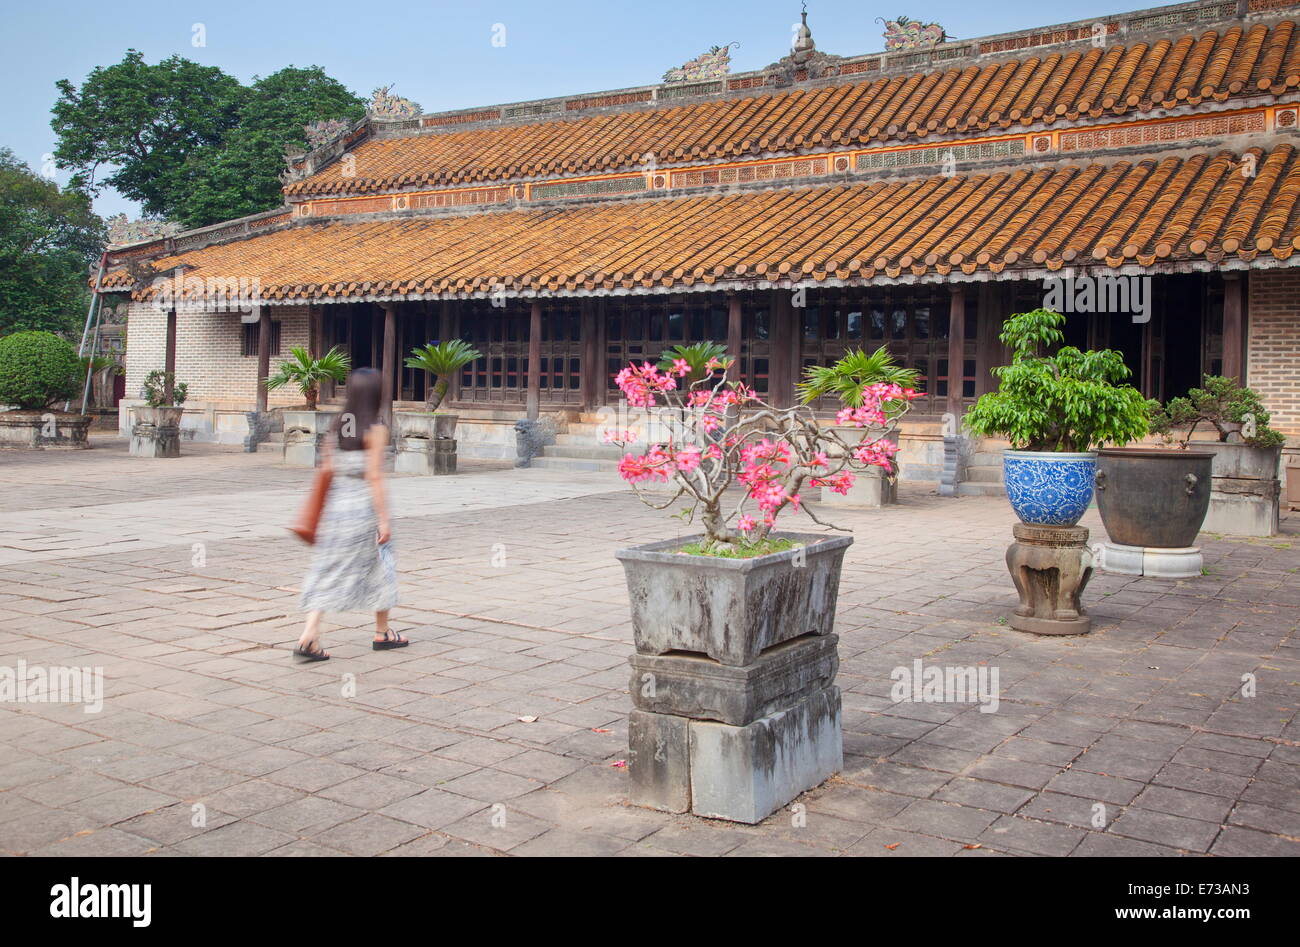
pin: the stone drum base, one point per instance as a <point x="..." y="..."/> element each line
<point x="1151" y="561"/>
<point x="1050" y="566"/>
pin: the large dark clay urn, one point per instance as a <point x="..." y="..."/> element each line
<point x="1153" y="497"/>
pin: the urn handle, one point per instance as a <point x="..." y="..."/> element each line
<point x="1192" y="481"/>
<point x="1100" y="480"/>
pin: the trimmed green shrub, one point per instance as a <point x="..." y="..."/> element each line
<point x="37" y="369"/>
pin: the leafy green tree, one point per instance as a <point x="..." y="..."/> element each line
<point x="48" y="239"/>
<point x="36" y="370"/>
<point x="187" y="141"/>
<point x="241" y="175"/>
<point x="142" y="121"/>
<point x="1069" y="401"/>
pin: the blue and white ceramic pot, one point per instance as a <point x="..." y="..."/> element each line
<point x="1048" y="488"/>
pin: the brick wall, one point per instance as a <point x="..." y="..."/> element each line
<point x="208" y="359"/>
<point x="1273" y="345"/>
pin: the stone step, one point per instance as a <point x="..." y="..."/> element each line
<point x="986" y="458"/>
<point x="969" y="488"/>
<point x="581" y="452"/>
<point x="576" y="463"/>
<point x="983" y="474"/>
<point x="579" y="440"/>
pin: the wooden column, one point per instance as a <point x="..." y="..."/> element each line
<point x="169" y="355"/>
<point x="263" y="355"/>
<point x="956" y="346"/>
<point x="785" y="349"/>
<point x="733" y="335"/>
<point x="591" y="361"/>
<point x="534" y="400"/>
<point x="1234" y="311"/>
<point x="389" y="364"/>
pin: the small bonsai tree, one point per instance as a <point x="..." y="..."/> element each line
<point x="1231" y="409"/>
<point x="307" y="373"/>
<point x="1071" y="401"/>
<point x="37" y="369"/>
<point x="156" y="385"/>
<point x="442" y="361"/>
<point x="722" y="433"/>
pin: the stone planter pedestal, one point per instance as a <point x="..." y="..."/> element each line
<point x="872" y="489"/>
<point x="1050" y="565"/>
<point x="44" y="429"/>
<point x="424" y="443"/>
<point x="1245" y="493"/>
<point x="156" y="432"/>
<point x="733" y="679"/>
<point x="304" y="433"/>
<point x="428" y="457"/>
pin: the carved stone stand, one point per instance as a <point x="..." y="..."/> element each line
<point x="1050" y="566"/>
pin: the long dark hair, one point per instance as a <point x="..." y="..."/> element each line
<point x="360" y="409"/>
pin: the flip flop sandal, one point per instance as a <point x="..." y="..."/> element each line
<point x="304" y="654"/>
<point x="390" y="642"/>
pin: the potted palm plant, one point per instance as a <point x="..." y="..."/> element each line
<point x="425" y="441"/>
<point x="304" y="430"/>
<point x="441" y="360"/>
<point x="846" y="380"/>
<point x="1055" y="409"/>
<point x="1245" y="497"/>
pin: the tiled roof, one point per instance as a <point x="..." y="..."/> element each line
<point x="1183" y="210"/>
<point x="1137" y="78"/>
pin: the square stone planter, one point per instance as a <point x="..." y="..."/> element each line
<point x="424" y="443"/>
<point x="733" y="678"/>
<point x="44" y="429"/>
<point x="156" y="432"/>
<point x="304" y="432"/>
<point x="1246" y="491"/>
<point x="732" y="609"/>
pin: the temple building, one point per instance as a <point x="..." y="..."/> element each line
<point x="1139" y="170"/>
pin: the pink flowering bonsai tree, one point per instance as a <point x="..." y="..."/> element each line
<point x="721" y="433"/>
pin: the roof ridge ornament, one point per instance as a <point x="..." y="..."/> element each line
<point x="805" y="61"/>
<point x="905" y="33"/>
<point x="391" y="108"/>
<point x="711" y="65"/>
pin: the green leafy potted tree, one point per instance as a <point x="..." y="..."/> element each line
<point x="425" y="441"/>
<point x="38" y="369"/>
<point x="156" y="425"/>
<point x="846" y="380"/>
<point x="304" y="429"/>
<point x="1055" y="410"/>
<point x="1245" y="498"/>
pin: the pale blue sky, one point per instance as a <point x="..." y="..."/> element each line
<point x="441" y="54"/>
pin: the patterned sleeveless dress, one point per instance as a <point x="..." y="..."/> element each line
<point x="350" y="572"/>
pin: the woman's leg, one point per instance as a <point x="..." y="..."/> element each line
<point x="381" y="625"/>
<point x="310" y="639"/>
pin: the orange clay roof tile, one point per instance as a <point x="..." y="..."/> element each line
<point x="1176" y="209"/>
<point x="1217" y="63"/>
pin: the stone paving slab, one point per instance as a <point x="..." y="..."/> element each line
<point x="502" y="729"/>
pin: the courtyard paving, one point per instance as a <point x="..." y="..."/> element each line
<point x="1171" y="729"/>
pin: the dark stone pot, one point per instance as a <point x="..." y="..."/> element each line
<point x="1150" y="497"/>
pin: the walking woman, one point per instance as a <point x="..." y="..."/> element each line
<point x="354" y="568"/>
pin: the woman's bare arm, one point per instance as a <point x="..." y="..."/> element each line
<point x="376" y="440"/>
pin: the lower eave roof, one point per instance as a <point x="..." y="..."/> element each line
<point x="1176" y="212"/>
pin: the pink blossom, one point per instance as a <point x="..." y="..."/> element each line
<point x="746" y="523"/>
